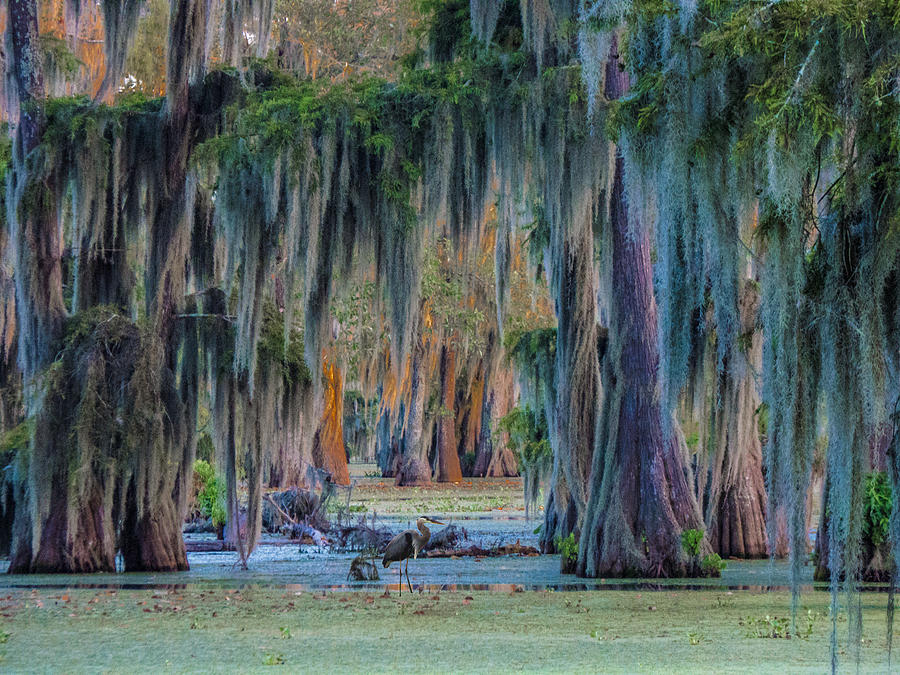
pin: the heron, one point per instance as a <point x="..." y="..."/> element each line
<point x="408" y="543"/>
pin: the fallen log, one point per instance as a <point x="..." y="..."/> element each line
<point x="479" y="552"/>
<point x="204" y="546"/>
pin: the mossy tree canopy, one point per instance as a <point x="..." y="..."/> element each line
<point x="769" y="134"/>
<point x="758" y="148"/>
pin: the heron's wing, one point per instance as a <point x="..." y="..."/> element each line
<point x="399" y="547"/>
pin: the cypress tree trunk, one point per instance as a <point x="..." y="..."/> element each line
<point x="328" y="447"/>
<point x="640" y="498"/>
<point x="22" y="19"/>
<point x="578" y="391"/>
<point x="497" y="389"/>
<point x="292" y="457"/>
<point x="414" y="467"/>
<point x="226" y="400"/>
<point x="387" y="433"/>
<point x="41" y="538"/>
<point x="11" y="408"/>
<point x="71" y="503"/>
<point x="736" y="509"/>
<point x="494" y="457"/>
<point x="731" y="489"/>
<point x="151" y="536"/>
<point x="448" y="468"/>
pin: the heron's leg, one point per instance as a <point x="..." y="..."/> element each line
<point x="401" y="578"/>
<point x="407" y="576"/>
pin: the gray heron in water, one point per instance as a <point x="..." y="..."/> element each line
<point x="408" y="543"/>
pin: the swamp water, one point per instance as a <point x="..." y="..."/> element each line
<point x="296" y="567"/>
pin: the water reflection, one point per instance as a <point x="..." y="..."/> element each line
<point x="639" y="585"/>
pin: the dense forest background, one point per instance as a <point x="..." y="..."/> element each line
<point x="643" y="253"/>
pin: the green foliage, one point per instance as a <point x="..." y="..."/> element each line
<point x="568" y="548"/>
<point x="5" y="153"/>
<point x="525" y="348"/>
<point x="762" y="420"/>
<point x="443" y="291"/>
<point x="211" y="493"/>
<point x="877" y="506"/>
<point x="775" y="627"/>
<point x="272" y="351"/>
<point x="57" y="56"/>
<point x="145" y="66"/>
<point x="327" y="39"/>
<point x="17" y="438"/>
<point x="639" y="109"/>
<point x="273" y="660"/>
<point x="449" y="30"/>
<point x="767" y="626"/>
<point x="74" y="121"/>
<point x="691" y="540"/>
<point x="527" y="436"/>
<point x="712" y="565"/>
<point x="692" y="440"/>
<point x="205" y="448"/>
<point x="359" y="339"/>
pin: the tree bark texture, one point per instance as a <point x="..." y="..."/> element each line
<point x="448" y="468"/>
<point x="641" y="499"/>
<point x="414" y="467"/>
<point x="578" y="391"/>
<point x="730" y="484"/>
<point x="328" y="448"/>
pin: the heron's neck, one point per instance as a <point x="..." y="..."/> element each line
<point x="424" y="530"/>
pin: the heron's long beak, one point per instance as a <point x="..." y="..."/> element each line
<point x="436" y="522"/>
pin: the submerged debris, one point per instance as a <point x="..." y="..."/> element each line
<point x="292" y="506"/>
<point x="363" y="569"/>
<point x="361" y="537"/>
<point x="449" y="537"/>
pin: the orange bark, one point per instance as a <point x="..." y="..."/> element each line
<point x="448" y="469"/>
<point x="328" y="448"/>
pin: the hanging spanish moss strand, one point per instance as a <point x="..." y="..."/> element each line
<point x="243" y="18"/>
<point x="484" y="18"/>
<point x="120" y="19"/>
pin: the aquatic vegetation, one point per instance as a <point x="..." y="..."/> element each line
<point x="691" y="540"/>
<point x="712" y="565"/>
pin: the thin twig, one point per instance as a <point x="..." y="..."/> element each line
<point x="198" y="315"/>
<point x="281" y="511"/>
<point x="799" y="77"/>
